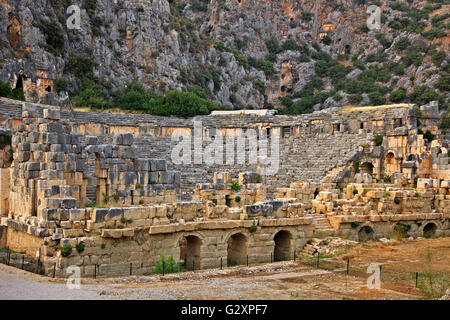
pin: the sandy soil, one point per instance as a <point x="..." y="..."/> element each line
<point x="283" y="280"/>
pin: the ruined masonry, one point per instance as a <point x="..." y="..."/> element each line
<point x="100" y="190"/>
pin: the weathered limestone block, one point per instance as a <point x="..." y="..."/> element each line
<point x="216" y="211"/>
<point x="112" y="233"/>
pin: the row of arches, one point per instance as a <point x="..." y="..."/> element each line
<point x="237" y="249"/>
<point x="367" y="233"/>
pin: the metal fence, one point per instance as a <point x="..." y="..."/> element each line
<point x="21" y="261"/>
<point x="431" y="284"/>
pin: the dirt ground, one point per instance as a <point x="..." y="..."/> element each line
<point x="400" y="260"/>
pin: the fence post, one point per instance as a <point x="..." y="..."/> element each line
<point x="164" y="267"/>
<point x="318" y="259"/>
<point x="220" y="263"/>
<point x="54" y="269"/>
<point x="417" y="279"/>
<point x="247" y="260"/>
<point x="271" y="257"/>
<point x="131" y="268"/>
<point x="23" y="260"/>
<point x="295" y="253"/>
<point x="348" y="266"/>
<point x="9" y="256"/>
<point x="95" y="271"/>
<point x="193" y="265"/>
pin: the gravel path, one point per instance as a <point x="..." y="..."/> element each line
<point x="16" y="284"/>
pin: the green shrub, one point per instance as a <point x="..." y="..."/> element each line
<point x="401" y="230"/>
<point x="355" y="224"/>
<point x="66" y="250"/>
<point x="398" y="95"/>
<point x="429" y="136"/>
<point x="7" y="92"/>
<point x="422" y="95"/>
<point x="167" y="266"/>
<point x="235" y="186"/>
<point x="53" y="35"/>
<point x="397" y="200"/>
<point x="252" y="229"/>
<point x="402" y="43"/>
<point x="355" y="191"/>
<point x="437" y="57"/>
<point x="355" y="98"/>
<point x="80" y="247"/>
<point x="364" y="28"/>
<point x="306" y="16"/>
<point x="378" y="140"/>
<point x="237" y="199"/>
<point x="376" y="98"/>
<point x="80" y="67"/>
<point x="326" y="40"/>
<point x="103" y="246"/>
<point x="61" y="84"/>
<point x="92" y="96"/>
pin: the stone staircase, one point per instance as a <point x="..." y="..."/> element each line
<point x="322" y="225"/>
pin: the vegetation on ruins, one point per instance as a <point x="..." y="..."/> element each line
<point x="235" y="186"/>
<point x="237" y="199"/>
<point x="135" y="98"/>
<point x="252" y="228"/>
<point x="378" y="140"/>
<point x="401" y="230"/>
<point x="397" y="200"/>
<point x="7" y="92"/>
<point x="80" y="247"/>
<point x="66" y="250"/>
<point x="355" y="224"/>
<point x="168" y="265"/>
<point x="429" y="136"/>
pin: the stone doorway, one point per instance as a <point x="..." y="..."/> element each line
<point x="190" y="252"/>
<point x="237" y="250"/>
<point x="282" y="248"/>
<point x="429" y="231"/>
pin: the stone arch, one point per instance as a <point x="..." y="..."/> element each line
<point x="429" y="230"/>
<point x="190" y="251"/>
<point x="237" y="249"/>
<point x="390" y="163"/>
<point x="366" y="233"/>
<point x="282" y="245"/>
<point x="366" y="167"/>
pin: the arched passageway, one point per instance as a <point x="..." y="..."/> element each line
<point x="282" y="248"/>
<point x="237" y="250"/>
<point x="366" y="167"/>
<point x="190" y="252"/>
<point x="429" y="230"/>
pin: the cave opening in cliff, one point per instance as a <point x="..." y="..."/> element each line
<point x="19" y="82"/>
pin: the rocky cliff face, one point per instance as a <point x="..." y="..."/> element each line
<point x="216" y="48"/>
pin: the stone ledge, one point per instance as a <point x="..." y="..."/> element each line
<point x="117" y="233"/>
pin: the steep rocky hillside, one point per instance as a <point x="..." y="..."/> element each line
<point x="300" y="54"/>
